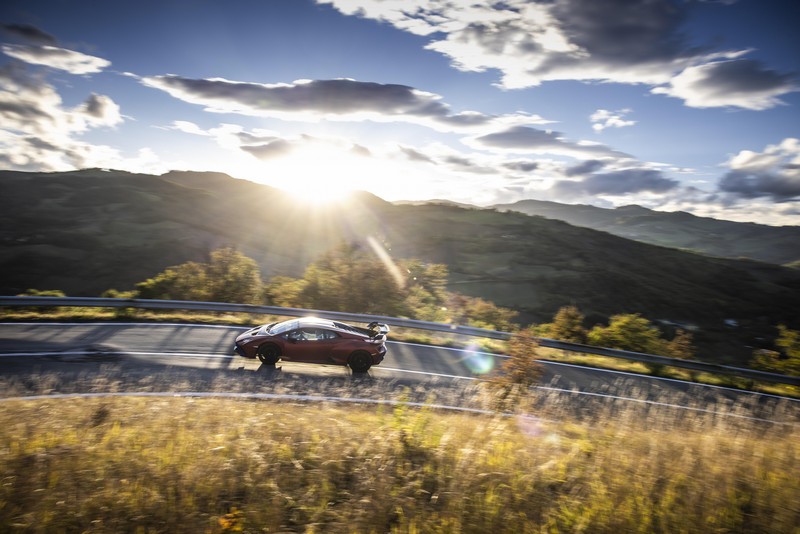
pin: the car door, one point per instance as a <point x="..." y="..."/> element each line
<point x="312" y="345"/>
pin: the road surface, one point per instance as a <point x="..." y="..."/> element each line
<point x="81" y="347"/>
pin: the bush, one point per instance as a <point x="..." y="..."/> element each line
<point x="512" y="382"/>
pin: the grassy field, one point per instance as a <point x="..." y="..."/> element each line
<point x="166" y="464"/>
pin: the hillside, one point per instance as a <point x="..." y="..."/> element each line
<point x="682" y="230"/>
<point x="87" y="231"/>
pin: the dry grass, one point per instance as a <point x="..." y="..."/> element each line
<point x="220" y="465"/>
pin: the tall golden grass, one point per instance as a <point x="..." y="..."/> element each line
<point x="562" y="463"/>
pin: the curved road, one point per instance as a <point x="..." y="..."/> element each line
<point x="56" y="345"/>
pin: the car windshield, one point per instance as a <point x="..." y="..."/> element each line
<point x="285" y="326"/>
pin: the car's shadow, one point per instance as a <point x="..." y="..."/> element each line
<point x="269" y="371"/>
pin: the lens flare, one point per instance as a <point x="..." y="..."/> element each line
<point x="530" y="425"/>
<point x="479" y="363"/>
<point x="387" y="261"/>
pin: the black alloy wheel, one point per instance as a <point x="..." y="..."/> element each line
<point x="359" y="362"/>
<point x="269" y="353"/>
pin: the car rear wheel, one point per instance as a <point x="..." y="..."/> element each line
<point x="359" y="362"/>
<point x="269" y="353"/>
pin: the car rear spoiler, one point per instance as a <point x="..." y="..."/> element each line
<point x="378" y="330"/>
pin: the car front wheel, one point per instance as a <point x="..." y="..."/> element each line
<point x="359" y="362"/>
<point x="269" y="353"/>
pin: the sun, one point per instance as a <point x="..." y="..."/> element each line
<point x="325" y="172"/>
<point x="319" y="175"/>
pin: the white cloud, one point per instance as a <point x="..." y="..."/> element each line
<point x="615" y="41"/>
<point x="533" y="42"/>
<point x="37" y="132"/>
<point x="56" y="58"/>
<point x="603" y="118"/>
<point x="773" y="173"/>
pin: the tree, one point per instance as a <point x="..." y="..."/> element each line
<point x="180" y="282"/>
<point x="681" y="347"/>
<point x="567" y="325"/>
<point x="784" y="361"/>
<point x="425" y="290"/>
<point x="229" y="276"/>
<point x="482" y="313"/>
<point x="350" y="278"/>
<point x="421" y="304"/>
<point x="284" y="291"/>
<point x="789" y="341"/>
<point x="630" y="332"/>
<point x="634" y="333"/>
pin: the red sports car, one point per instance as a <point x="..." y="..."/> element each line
<point x="313" y="340"/>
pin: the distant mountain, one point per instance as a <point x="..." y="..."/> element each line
<point x="87" y="231"/>
<point x="727" y="239"/>
<point x="440" y="202"/>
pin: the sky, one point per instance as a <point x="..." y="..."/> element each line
<point x="690" y="105"/>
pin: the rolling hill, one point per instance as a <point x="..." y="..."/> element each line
<point x="727" y="239"/>
<point x="87" y="231"/>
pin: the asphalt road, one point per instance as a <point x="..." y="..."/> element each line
<point x="64" y="347"/>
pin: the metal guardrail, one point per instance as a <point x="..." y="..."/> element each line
<point x="471" y="331"/>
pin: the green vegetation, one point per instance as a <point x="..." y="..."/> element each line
<point x="229" y="276"/>
<point x="183" y="465"/>
<point x="346" y="278"/>
<point x="629" y="332"/>
<point x="567" y="325"/>
<point x="785" y="360"/>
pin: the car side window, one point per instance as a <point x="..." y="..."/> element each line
<point x="296" y="335"/>
<point x="328" y="335"/>
<point x="311" y="334"/>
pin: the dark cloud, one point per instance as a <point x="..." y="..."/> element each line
<point x="249" y="138"/>
<point x="340" y="98"/>
<point x="275" y="149"/>
<point x="521" y="137"/>
<point x="360" y="150"/>
<point x="742" y="75"/>
<point x="521" y="166"/>
<point x="586" y="167"/>
<point x="617" y="183"/>
<point x="30" y="33"/>
<point x="101" y="110"/>
<point x="415" y="155"/>
<point x="779" y="187"/>
<point x="622" y="32"/>
<point x="527" y="139"/>
<point x="21" y="110"/>
<point x="465" y="164"/>
<point x="741" y="83"/>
